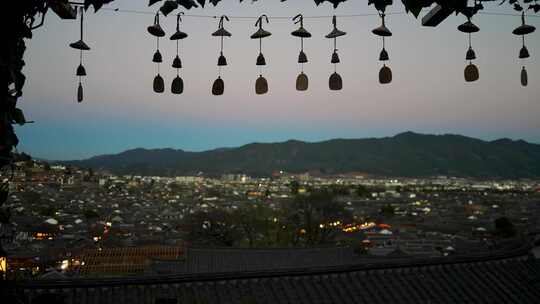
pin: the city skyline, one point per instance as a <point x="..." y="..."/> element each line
<point x="121" y="112"/>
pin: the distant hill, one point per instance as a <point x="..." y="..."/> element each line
<point x="407" y="154"/>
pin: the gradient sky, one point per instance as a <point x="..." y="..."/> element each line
<point x="428" y="93"/>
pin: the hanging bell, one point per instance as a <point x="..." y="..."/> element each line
<point x="168" y="6"/>
<point x="155" y="29"/>
<point x="157" y="57"/>
<point x="80" y="93"/>
<point x="524" y="77"/>
<point x="261" y="33"/>
<point x="178" y="35"/>
<point x="335" y="57"/>
<point x="335" y="82"/>
<point x="159" y="86"/>
<point x="385" y="75"/>
<point x="221" y="32"/>
<point x="523" y="29"/>
<point x="81" y="71"/>
<point x="218" y="87"/>
<point x="177" y="86"/>
<point x="471" y="73"/>
<point x="177" y="63"/>
<point x="261" y="60"/>
<point x="471" y="55"/>
<point x="335" y="33"/>
<point x="301" y="33"/>
<point x="383" y="56"/>
<point x="382" y="30"/>
<point x="468" y="27"/>
<point x="524" y="53"/>
<point x="302" y="82"/>
<point x="80" y="45"/>
<point x="302" y="57"/>
<point x="261" y="85"/>
<point x="222" y="61"/>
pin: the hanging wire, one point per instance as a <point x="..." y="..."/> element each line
<point x="142" y="12"/>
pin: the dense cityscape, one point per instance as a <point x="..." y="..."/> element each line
<point x="75" y="222"/>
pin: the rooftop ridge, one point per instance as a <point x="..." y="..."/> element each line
<point x="520" y="252"/>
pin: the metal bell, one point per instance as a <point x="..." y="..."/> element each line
<point x="80" y="45"/>
<point x="302" y="82"/>
<point x="80" y="93"/>
<point x="157" y="57"/>
<point x="524" y="53"/>
<point x="159" y="86"/>
<point x="335" y="83"/>
<point x="81" y="71"/>
<point x="383" y="56"/>
<point x="471" y="73"/>
<point x="261" y="33"/>
<point x="177" y="86"/>
<point x="524" y="77"/>
<point x="222" y="61"/>
<point x="218" y="87"/>
<point x="301" y="33"/>
<point x="335" y="33"/>
<point x="261" y="60"/>
<point x="261" y="85"/>
<point x="468" y="27"/>
<point x="155" y="29"/>
<point x="177" y="63"/>
<point x="523" y="29"/>
<point x="335" y="57"/>
<point x="221" y="32"/>
<point x="471" y="55"/>
<point x="302" y="57"/>
<point x="385" y="75"/>
<point x="382" y="30"/>
<point x="178" y="35"/>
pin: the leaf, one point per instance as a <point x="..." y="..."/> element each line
<point x="187" y="3"/>
<point x="97" y="4"/>
<point x="18" y="116"/>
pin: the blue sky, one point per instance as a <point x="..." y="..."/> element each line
<point x="120" y="111"/>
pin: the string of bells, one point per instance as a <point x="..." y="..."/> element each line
<point x="335" y="82"/>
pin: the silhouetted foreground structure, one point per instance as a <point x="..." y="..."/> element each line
<point x="511" y="276"/>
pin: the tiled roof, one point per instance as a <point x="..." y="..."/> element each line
<point x="504" y="278"/>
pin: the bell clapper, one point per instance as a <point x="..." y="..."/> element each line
<point x="385" y="73"/>
<point x="335" y="82"/>
<point x="302" y="79"/>
<point x="261" y="84"/>
<point x="219" y="85"/>
<point x="522" y="30"/>
<point x="81" y="46"/>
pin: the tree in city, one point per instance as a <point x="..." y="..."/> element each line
<point x="312" y="214"/>
<point x="213" y="227"/>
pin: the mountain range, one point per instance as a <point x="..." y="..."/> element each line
<point x="407" y="155"/>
